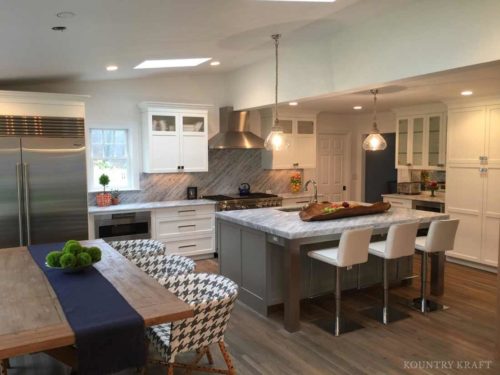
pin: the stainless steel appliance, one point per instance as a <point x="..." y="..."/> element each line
<point x="234" y="131"/>
<point x="253" y="200"/>
<point x="429" y="206"/>
<point x="411" y="188"/>
<point x="123" y="226"/>
<point x="43" y="187"/>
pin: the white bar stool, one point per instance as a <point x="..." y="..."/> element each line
<point x="400" y="243"/>
<point x="440" y="238"/>
<point x="352" y="250"/>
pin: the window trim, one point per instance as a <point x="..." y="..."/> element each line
<point x="132" y="157"/>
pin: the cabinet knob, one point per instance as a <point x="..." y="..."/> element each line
<point x="483" y="170"/>
<point x="295" y="164"/>
<point x="408" y="164"/>
<point x="440" y="165"/>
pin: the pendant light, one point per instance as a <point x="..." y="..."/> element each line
<point x="374" y="141"/>
<point x="275" y="141"/>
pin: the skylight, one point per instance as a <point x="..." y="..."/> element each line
<point x="172" y="63"/>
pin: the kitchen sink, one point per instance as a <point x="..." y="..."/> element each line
<point x="290" y="209"/>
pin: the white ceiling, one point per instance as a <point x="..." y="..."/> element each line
<point x="483" y="80"/>
<point x="126" y="32"/>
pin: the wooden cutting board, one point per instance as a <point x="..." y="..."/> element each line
<point x="315" y="211"/>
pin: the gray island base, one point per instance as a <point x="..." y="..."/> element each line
<point x="265" y="252"/>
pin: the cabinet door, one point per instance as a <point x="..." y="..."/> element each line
<point x="436" y="142"/>
<point x="417" y="142"/>
<point x="402" y="159"/>
<point x="304" y="148"/>
<point x="164" y="153"/>
<point x="491" y="217"/>
<point x="194" y="143"/>
<point x="493" y="136"/>
<point x="464" y="201"/>
<point x="466" y="135"/>
<point x="194" y="153"/>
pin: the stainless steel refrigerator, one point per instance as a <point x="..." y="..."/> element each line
<point x="43" y="187"/>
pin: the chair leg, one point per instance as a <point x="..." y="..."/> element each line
<point x="338" y="291"/>
<point x="386" y="295"/>
<point x="210" y="359"/>
<point x="227" y="358"/>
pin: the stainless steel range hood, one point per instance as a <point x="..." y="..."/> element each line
<point x="234" y="131"/>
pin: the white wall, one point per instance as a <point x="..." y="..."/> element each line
<point x="357" y="126"/>
<point x="114" y="103"/>
<point x="413" y="38"/>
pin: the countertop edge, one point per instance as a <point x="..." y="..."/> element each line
<point x="145" y="206"/>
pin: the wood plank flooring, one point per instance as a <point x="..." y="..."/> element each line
<point x="258" y="345"/>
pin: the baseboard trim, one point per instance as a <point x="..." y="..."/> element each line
<point x="468" y="263"/>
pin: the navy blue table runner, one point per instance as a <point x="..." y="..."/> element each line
<point x="109" y="332"/>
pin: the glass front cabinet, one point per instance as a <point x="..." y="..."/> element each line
<point x="421" y="142"/>
<point x="174" y="139"/>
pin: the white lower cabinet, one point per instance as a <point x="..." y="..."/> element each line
<point x="186" y="230"/>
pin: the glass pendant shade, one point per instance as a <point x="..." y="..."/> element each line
<point x="374" y="141"/>
<point x="275" y="140"/>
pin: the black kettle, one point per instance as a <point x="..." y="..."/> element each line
<point x="244" y="189"/>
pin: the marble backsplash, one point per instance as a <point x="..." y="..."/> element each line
<point x="227" y="170"/>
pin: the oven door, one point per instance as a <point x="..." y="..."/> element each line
<point x="123" y="226"/>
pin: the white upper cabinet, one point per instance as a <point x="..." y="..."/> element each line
<point x="175" y="139"/>
<point x="466" y="135"/>
<point x="300" y="134"/>
<point x="421" y="141"/>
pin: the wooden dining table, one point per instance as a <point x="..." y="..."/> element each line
<point x="32" y="320"/>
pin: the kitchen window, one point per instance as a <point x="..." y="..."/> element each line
<point x="110" y="154"/>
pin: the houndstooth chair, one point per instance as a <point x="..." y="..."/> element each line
<point x="160" y="266"/>
<point x="212" y="298"/>
<point x="137" y="249"/>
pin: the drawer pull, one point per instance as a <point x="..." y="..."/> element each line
<point x="186" y="226"/>
<point x="186" y="211"/>
<point x="186" y="246"/>
<point x="302" y="202"/>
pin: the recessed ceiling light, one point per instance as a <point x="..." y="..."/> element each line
<point x="111" y="68"/>
<point x="59" y="28"/>
<point x="293" y="104"/>
<point x="357" y="107"/>
<point x="215" y="63"/>
<point x="466" y="93"/>
<point x="171" y="63"/>
<point x="65" y="14"/>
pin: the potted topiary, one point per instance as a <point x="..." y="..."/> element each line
<point x="103" y="199"/>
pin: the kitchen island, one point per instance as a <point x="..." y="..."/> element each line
<point x="265" y="252"/>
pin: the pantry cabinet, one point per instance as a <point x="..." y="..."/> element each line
<point x="299" y="134"/>
<point x="421" y="141"/>
<point x="473" y="181"/>
<point x="174" y="138"/>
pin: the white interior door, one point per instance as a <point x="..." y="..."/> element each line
<point x="332" y="166"/>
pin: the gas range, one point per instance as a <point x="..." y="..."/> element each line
<point x="237" y="202"/>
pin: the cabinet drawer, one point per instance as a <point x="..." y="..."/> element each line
<point x="189" y="247"/>
<point x="401" y="203"/>
<point x="166" y="228"/>
<point x="185" y="211"/>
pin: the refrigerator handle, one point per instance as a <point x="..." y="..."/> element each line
<point x="27" y="202"/>
<point x="19" y="202"/>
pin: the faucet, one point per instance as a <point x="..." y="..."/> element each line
<point x="315" y="186"/>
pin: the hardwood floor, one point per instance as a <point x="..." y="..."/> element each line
<point x="258" y="345"/>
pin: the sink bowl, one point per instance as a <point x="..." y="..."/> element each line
<point x="290" y="209"/>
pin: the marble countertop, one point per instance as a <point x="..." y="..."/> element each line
<point x="145" y="206"/>
<point x="425" y="197"/>
<point x="289" y="225"/>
